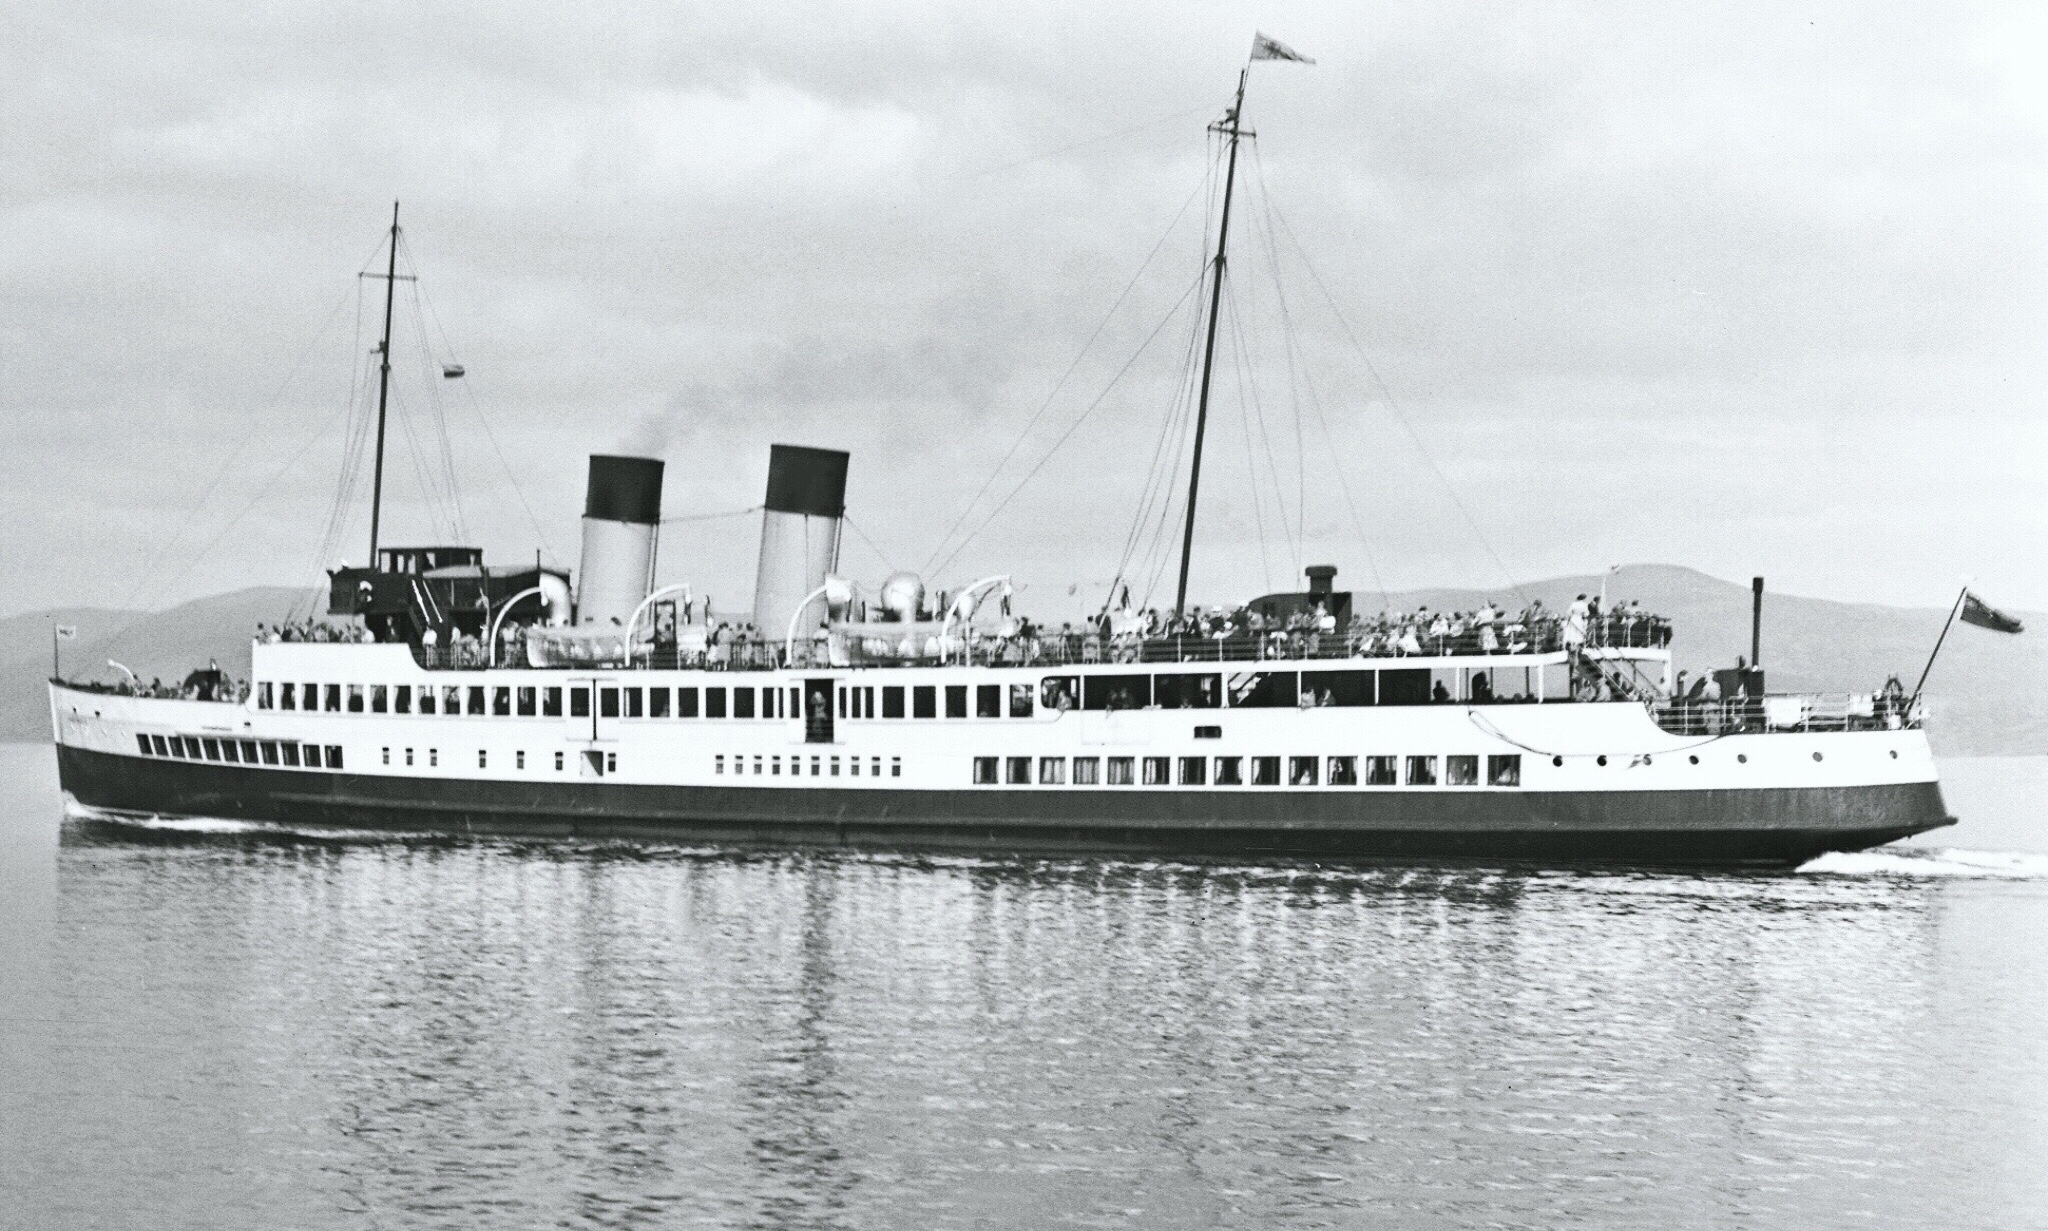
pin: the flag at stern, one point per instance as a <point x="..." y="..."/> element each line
<point x="1984" y="615"/>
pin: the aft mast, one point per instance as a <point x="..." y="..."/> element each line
<point x="1232" y="127"/>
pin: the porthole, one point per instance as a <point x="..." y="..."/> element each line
<point x="1816" y="756"/>
<point x="1693" y="760"/>
<point x="1895" y="754"/>
<point x="1600" y="760"/>
<point x="1742" y="758"/>
<point x="1558" y="761"/>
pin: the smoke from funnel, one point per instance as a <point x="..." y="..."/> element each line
<point x="800" y="526"/>
<point x="621" y="518"/>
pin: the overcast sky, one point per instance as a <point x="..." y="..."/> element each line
<point x="1751" y="287"/>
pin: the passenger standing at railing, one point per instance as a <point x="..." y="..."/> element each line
<point x="1575" y="624"/>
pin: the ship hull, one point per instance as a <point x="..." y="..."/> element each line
<point x="1750" y="827"/>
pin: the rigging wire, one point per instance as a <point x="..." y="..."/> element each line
<point x="1061" y="383"/>
<point x="1076" y="425"/>
<point x="690" y="517"/>
<point x="1247" y="406"/>
<point x="1400" y="416"/>
<point x="881" y="555"/>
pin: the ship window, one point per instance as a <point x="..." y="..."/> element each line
<point x="1343" y="771"/>
<point x="558" y="763"/>
<point x="776" y="764"/>
<point x="501" y="701"/>
<point x="333" y="705"/>
<point x="551" y="702"/>
<point x="853" y="765"/>
<point x="268" y="750"/>
<point x="956" y="700"/>
<point x="1250" y="690"/>
<point x="579" y="703"/>
<point x="433" y="758"/>
<point x="1504" y="770"/>
<point x="212" y="747"/>
<point x="287" y="698"/>
<point x="1120" y="771"/>
<point x="408" y="756"/>
<point x="334" y="756"/>
<point x="1379" y="771"/>
<point x="1265" y="771"/>
<point x="795" y="707"/>
<point x="895" y="767"/>
<point x="263" y="695"/>
<point x="1194" y="771"/>
<point x="1461" y="771"/>
<point x="380" y="699"/>
<point x="1158" y="771"/>
<point x="635" y="703"/>
<point x="249" y="752"/>
<point x="311" y="756"/>
<point x="451" y="699"/>
<point x="387" y="756"/>
<point x="1421" y="771"/>
<point x="1052" y="771"/>
<point x="156" y="742"/>
<point x="1087" y="771"/>
<point x="892" y="701"/>
<point x="835" y="767"/>
<point x="611" y="762"/>
<point x="1060" y="693"/>
<point x="686" y="703"/>
<point x="401" y="698"/>
<point x="355" y="698"/>
<point x="476" y="699"/>
<point x="742" y="703"/>
<point x="1116" y="692"/>
<point x="984" y="771"/>
<point x="309" y="696"/>
<point x="924" y="701"/>
<point x="1301" y="771"/>
<point x="717" y="763"/>
<point x="483" y="759"/>
<point x="289" y="753"/>
<point x="142" y="743"/>
<point x="519" y="759"/>
<point x="607" y="703"/>
<point x="1208" y="732"/>
<point x="1229" y="771"/>
<point x="1405" y="687"/>
<point x="528" y="702"/>
<point x="815" y="766"/>
<point x="1187" y="692"/>
<point x="657" y="702"/>
<point x="842" y="701"/>
<point x="1018" y="771"/>
<point x="1338" y="687"/>
<point x="714" y="703"/>
<point x="1020" y="700"/>
<point x="988" y="700"/>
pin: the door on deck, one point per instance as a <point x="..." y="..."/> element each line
<point x="592" y="721"/>
<point x="818" y="711"/>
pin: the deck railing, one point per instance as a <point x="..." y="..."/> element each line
<point x="1786" y="712"/>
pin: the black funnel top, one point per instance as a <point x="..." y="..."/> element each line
<point x="624" y="489"/>
<point x="806" y="480"/>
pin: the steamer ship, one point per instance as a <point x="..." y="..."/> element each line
<point x="479" y="699"/>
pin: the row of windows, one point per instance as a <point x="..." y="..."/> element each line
<point x="601" y="762"/>
<point x="1180" y="690"/>
<point x="821" y="766"/>
<point x="240" y="751"/>
<point x="507" y="701"/>
<point x="1457" y="770"/>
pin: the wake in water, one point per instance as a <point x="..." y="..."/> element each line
<point x="1932" y="861"/>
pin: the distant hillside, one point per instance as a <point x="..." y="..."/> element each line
<point x="1986" y="693"/>
<point x="164" y="644"/>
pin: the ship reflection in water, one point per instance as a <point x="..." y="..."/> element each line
<point x="250" y="1029"/>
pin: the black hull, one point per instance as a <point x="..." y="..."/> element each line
<point x="1754" y="828"/>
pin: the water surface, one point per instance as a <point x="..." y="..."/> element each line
<point x="210" y="1026"/>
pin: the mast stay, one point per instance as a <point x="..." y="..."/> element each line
<point x="391" y="278"/>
